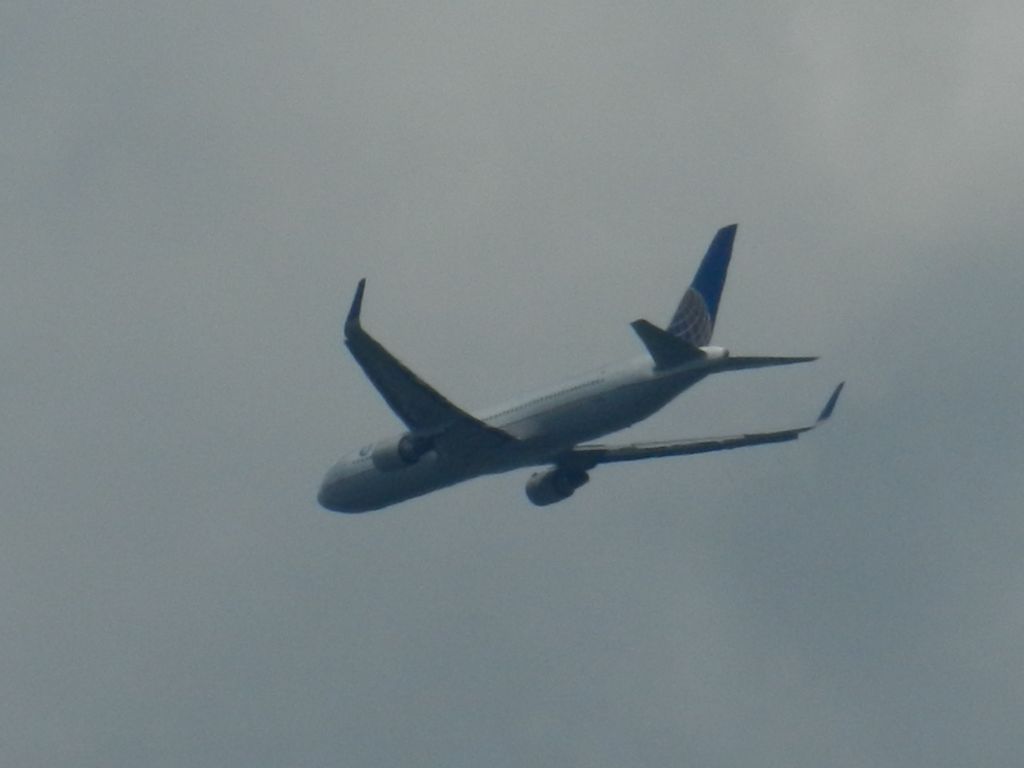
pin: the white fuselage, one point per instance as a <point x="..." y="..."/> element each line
<point x="545" y="426"/>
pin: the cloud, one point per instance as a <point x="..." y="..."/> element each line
<point x="191" y="195"/>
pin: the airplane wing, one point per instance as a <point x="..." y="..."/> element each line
<point x="422" y="408"/>
<point x="588" y="456"/>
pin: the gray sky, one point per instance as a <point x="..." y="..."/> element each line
<point x="189" y="195"/>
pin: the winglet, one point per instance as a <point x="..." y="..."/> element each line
<point x="357" y="305"/>
<point x="831" y="404"/>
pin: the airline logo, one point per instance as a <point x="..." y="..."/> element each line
<point x="692" y="321"/>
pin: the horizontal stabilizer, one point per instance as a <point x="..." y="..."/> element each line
<point x="667" y="349"/>
<point x="744" y="363"/>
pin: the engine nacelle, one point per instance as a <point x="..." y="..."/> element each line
<point x="554" y="485"/>
<point x="400" y="452"/>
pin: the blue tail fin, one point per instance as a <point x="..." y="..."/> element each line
<point x="694" y="319"/>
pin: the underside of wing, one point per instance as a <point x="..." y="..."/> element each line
<point x="422" y="408"/>
<point x="590" y="455"/>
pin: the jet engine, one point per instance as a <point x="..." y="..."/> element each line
<point x="399" y="452"/>
<point x="554" y="485"/>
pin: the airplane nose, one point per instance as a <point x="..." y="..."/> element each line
<point x="340" y="492"/>
<point x="330" y="499"/>
<point x="323" y="497"/>
<point x="327" y="496"/>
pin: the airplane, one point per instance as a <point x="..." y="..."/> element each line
<point x="443" y="445"/>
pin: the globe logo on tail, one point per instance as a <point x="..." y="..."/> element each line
<point x="692" y="321"/>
